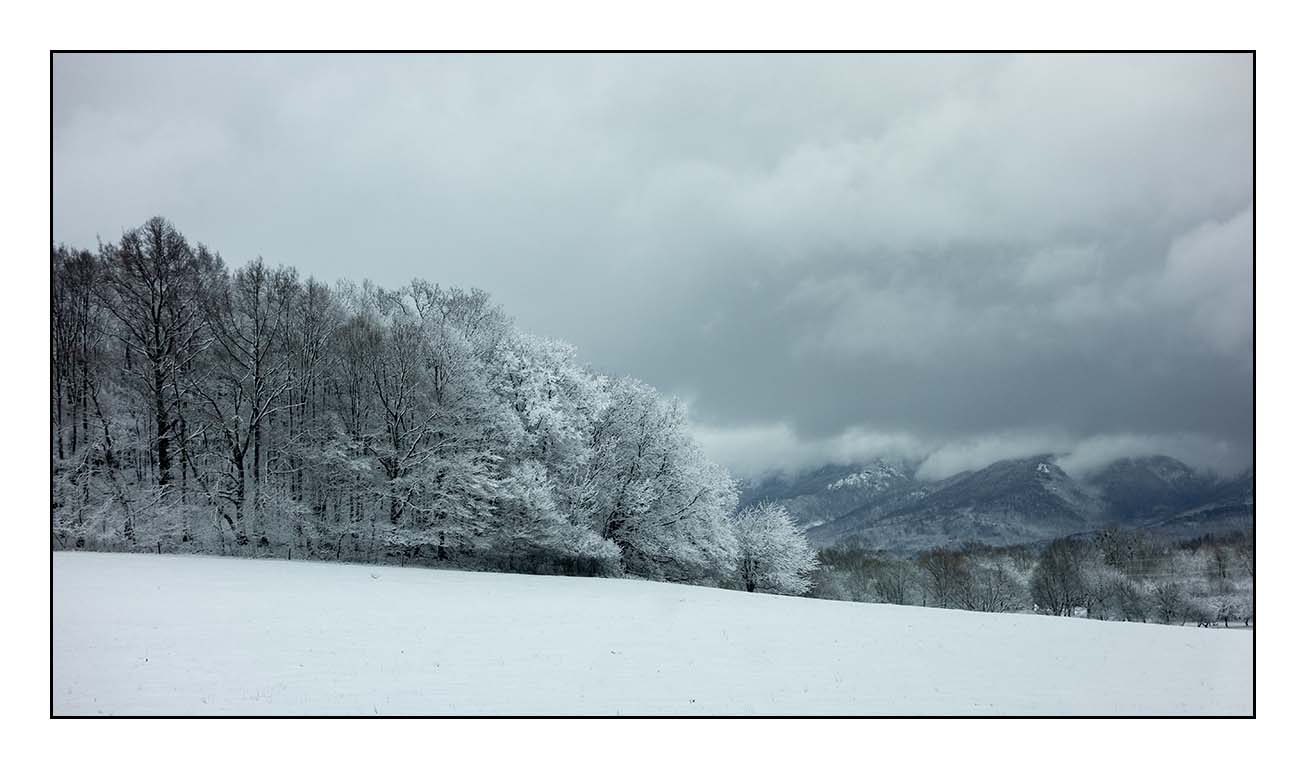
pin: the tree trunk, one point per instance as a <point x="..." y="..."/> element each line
<point x="242" y="538"/>
<point x="58" y="408"/>
<point x="162" y="430"/>
<point x="258" y="463"/>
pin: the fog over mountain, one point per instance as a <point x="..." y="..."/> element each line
<point x="950" y="260"/>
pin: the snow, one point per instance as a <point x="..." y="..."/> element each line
<point x="149" y="634"/>
<point x="877" y="477"/>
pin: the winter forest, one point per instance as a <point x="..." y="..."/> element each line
<point x="202" y="409"/>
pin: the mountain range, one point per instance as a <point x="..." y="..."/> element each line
<point x="883" y="505"/>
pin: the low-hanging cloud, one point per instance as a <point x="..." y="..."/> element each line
<point x="759" y="450"/>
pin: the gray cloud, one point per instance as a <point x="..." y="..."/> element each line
<point x="825" y="255"/>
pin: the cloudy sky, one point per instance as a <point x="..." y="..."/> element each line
<point x="954" y="258"/>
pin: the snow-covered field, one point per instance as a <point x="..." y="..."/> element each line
<point x="147" y="634"/>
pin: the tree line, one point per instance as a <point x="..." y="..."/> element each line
<point x="1114" y="574"/>
<point x="197" y="408"/>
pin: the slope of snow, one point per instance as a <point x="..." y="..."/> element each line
<point x="876" y="477"/>
<point x="146" y="634"/>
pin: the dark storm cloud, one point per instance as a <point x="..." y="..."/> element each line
<point x="958" y="258"/>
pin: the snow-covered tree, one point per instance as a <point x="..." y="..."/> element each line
<point x="650" y="489"/>
<point x="153" y="284"/>
<point x="198" y="408"/>
<point x="246" y="375"/>
<point x="774" y="556"/>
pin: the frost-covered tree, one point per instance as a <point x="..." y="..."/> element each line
<point x="199" y="408"/>
<point x="1172" y="603"/>
<point x="441" y="436"/>
<point x="1127" y="601"/>
<point x="650" y="490"/>
<point x="774" y="556"/>
<point x="992" y="588"/>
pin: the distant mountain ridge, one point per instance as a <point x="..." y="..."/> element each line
<point x="883" y="505"/>
<point x="822" y="495"/>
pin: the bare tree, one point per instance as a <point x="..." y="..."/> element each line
<point x="247" y="378"/>
<point x="1127" y="601"/>
<point x="153" y="285"/>
<point x="892" y="580"/>
<point x="1057" y="585"/>
<point x="990" y="588"/>
<point x="946" y="576"/>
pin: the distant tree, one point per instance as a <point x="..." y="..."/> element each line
<point x="1220" y="563"/>
<point x="847" y="574"/>
<point x="990" y="588"/>
<point x="892" y="580"/>
<point x="774" y="556"/>
<point x="1245" y="555"/>
<point x="946" y="576"/>
<point x="1057" y="585"/>
<point x="1170" y="602"/>
<point x="1022" y="558"/>
<point x="1127" y="601"/>
<point x="1130" y="551"/>
<point x="1099" y="583"/>
<point x="1224" y="609"/>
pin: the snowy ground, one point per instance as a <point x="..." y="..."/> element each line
<point x="146" y="634"/>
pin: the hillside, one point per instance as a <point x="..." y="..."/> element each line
<point x="883" y="505"/>
<point x="827" y="493"/>
<point x="1010" y="501"/>
<point x="144" y="634"/>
